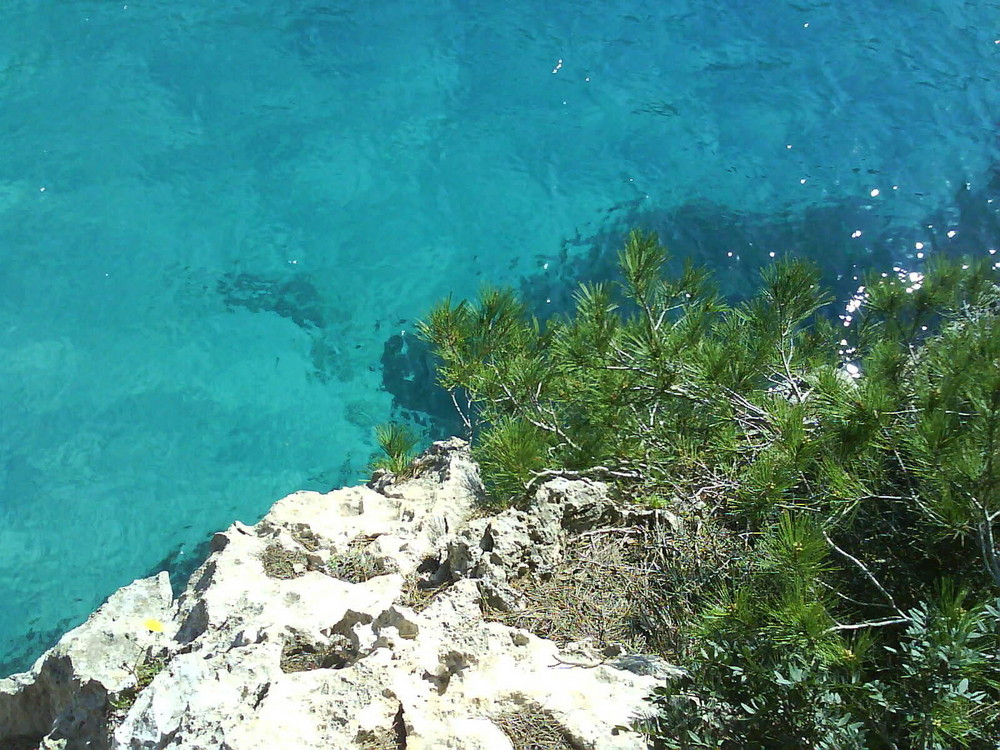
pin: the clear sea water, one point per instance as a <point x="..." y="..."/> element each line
<point x="214" y="217"/>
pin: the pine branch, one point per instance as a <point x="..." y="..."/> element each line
<point x="870" y="576"/>
<point x="465" y="420"/>
<point x="523" y="411"/>
<point x="786" y="356"/>
<point x="594" y="472"/>
<point x="870" y="624"/>
<point x="987" y="542"/>
<point x="843" y="596"/>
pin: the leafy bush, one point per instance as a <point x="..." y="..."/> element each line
<point x="859" y="465"/>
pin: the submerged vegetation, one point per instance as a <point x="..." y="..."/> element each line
<point x="854" y="472"/>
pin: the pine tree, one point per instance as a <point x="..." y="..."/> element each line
<point x="865" y="489"/>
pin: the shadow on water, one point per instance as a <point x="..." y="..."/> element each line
<point x="845" y="240"/>
<point x="296" y="298"/>
<point x="306" y="302"/>
<point x="406" y="361"/>
<point x="180" y="563"/>
<point x="408" y="373"/>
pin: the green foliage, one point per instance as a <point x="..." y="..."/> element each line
<point x="859" y="492"/>
<point x="600" y="386"/>
<point x="510" y="451"/>
<point x="144" y="670"/>
<point x="947" y="691"/>
<point x="397" y="443"/>
<point x="936" y="689"/>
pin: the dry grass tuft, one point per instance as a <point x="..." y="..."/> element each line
<point x="301" y="655"/>
<point x="630" y="587"/>
<point x="531" y="727"/>
<point x="305" y="536"/>
<point x="282" y="563"/>
<point x="590" y="595"/>
<point x="357" y="566"/>
<point x="417" y="596"/>
<point x="384" y="740"/>
<point x="389" y="738"/>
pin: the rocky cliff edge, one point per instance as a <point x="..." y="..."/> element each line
<point x="352" y="619"/>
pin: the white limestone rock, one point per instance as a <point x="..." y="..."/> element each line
<point x="295" y="633"/>
<point x="65" y="693"/>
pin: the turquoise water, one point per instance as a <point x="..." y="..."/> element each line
<point x="213" y="217"/>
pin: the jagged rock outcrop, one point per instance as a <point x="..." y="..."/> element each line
<point x="67" y="690"/>
<point x="310" y="630"/>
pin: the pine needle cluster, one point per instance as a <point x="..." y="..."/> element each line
<point x="397" y="444"/>
<point x="861" y="464"/>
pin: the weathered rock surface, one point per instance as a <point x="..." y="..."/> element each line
<point x="305" y="631"/>
<point x="66" y="692"/>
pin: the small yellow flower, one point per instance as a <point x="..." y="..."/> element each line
<point x="153" y="625"/>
